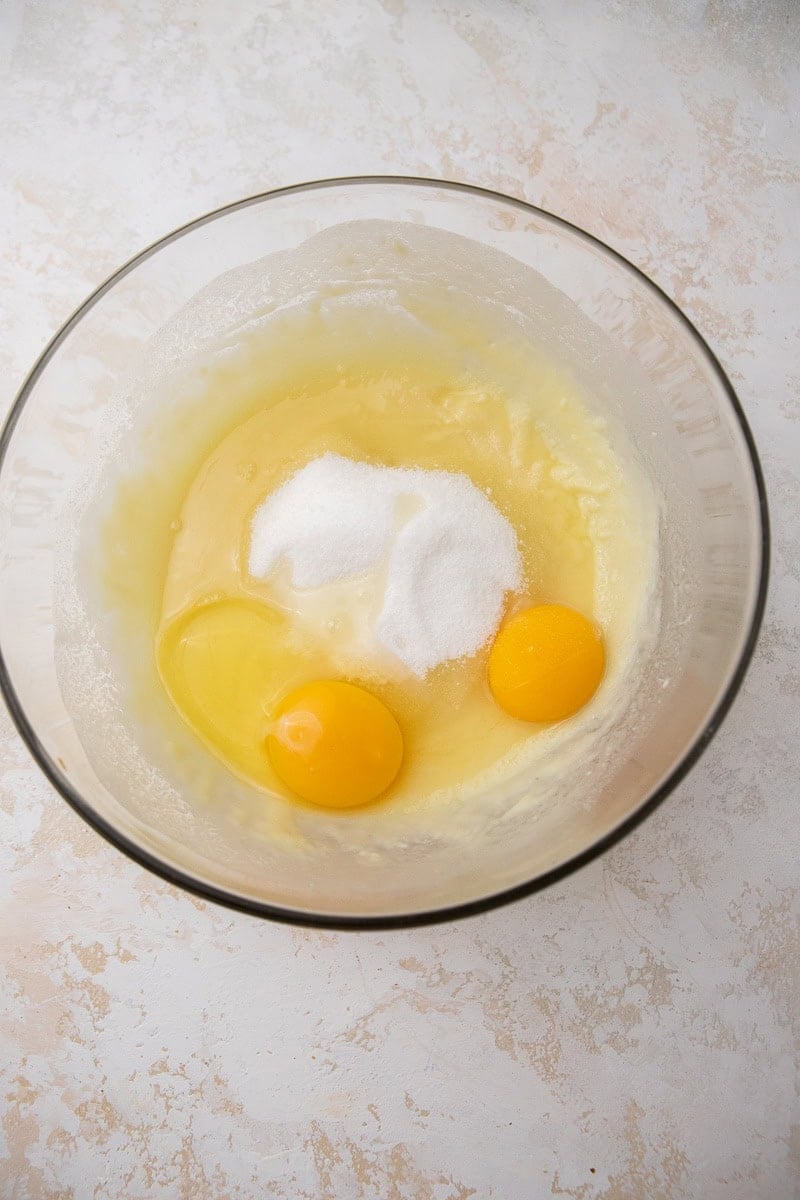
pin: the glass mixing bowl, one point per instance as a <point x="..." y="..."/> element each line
<point x="626" y="342"/>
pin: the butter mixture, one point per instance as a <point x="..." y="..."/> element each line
<point x="369" y="521"/>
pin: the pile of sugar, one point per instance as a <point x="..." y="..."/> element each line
<point x="446" y="556"/>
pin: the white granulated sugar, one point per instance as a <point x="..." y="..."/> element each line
<point x="446" y="556"/>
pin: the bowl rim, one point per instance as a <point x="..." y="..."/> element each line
<point x="286" y="915"/>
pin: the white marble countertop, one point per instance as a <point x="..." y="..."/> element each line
<point x="626" y="1035"/>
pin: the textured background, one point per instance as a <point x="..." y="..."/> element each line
<point x="627" y="1035"/>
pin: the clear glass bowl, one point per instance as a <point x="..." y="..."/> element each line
<point x="682" y="416"/>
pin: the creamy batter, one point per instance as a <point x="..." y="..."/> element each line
<point x="398" y="401"/>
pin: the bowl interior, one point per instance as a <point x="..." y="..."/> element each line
<point x="86" y="411"/>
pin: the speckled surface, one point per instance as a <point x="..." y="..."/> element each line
<point x="629" y="1034"/>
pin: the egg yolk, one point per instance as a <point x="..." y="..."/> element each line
<point x="546" y="663"/>
<point x="335" y="744"/>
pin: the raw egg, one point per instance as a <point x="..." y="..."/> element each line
<point x="335" y="744"/>
<point x="546" y="663"/>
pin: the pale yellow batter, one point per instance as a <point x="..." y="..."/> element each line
<point x="397" y="399"/>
